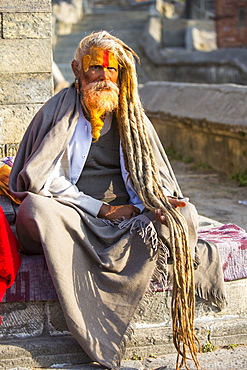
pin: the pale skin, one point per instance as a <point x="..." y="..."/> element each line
<point x="99" y="73"/>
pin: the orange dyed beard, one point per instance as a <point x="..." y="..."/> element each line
<point x="99" y="98"/>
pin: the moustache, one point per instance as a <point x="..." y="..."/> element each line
<point x="103" y="85"/>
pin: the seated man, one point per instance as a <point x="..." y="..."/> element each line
<point x="100" y="200"/>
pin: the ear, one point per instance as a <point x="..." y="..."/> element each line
<point x="75" y="67"/>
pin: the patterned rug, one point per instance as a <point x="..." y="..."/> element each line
<point x="231" y="241"/>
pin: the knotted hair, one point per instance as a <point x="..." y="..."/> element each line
<point x="140" y="162"/>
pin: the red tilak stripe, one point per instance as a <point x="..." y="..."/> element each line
<point x="106" y="59"/>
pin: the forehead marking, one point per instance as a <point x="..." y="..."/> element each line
<point x="106" y="59"/>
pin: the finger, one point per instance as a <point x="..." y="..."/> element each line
<point x="136" y="212"/>
<point x="158" y="214"/>
<point x="159" y="217"/>
<point x="177" y="203"/>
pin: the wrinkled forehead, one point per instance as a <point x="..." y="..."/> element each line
<point x="99" y="56"/>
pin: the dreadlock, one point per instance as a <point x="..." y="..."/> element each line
<point x="140" y="162"/>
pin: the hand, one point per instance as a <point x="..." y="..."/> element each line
<point x="118" y="212"/>
<point x="176" y="203"/>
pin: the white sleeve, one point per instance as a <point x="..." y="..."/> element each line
<point x="134" y="198"/>
<point x="61" y="188"/>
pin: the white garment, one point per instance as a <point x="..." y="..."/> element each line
<point x="78" y="149"/>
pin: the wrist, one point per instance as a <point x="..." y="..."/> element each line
<point x="104" y="209"/>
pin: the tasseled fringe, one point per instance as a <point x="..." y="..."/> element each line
<point x="116" y="363"/>
<point x="160" y="273"/>
<point x="143" y="226"/>
<point x="145" y="229"/>
<point x="196" y="261"/>
<point x="212" y="295"/>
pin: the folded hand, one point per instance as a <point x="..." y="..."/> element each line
<point x="118" y="212"/>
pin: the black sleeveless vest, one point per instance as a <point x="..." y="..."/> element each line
<point x="101" y="176"/>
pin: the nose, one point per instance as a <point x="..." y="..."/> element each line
<point x="104" y="74"/>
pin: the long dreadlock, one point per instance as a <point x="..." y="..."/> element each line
<point x="139" y="161"/>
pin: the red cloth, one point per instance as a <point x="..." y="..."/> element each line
<point x="10" y="259"/>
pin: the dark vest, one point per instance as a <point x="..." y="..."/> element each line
<point x="101" y="176"/>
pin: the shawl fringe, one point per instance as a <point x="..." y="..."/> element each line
<point x="143" y="226"/>
<point x="213" y="295"/>
<point x="116" y="363"/>
<point x="148" y="233"/>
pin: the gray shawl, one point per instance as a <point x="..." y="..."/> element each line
<point x="100" y="270"/>
<point x="47" y="137"/>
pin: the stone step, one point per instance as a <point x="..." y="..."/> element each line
<point x="111" y="6"/>
<point x="42" y="352"/>
<point x="35" y="333"/>
<point x="127" y="24"/>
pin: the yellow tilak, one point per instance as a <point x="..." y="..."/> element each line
<point x="100" y="57"/>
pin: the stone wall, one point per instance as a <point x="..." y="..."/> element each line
<point x="66" y="13"/>
<point x="26" y="67"/>
<point x="206" y="123"/>
<point x="190" y="63"/>
<point x="231" y="23"/>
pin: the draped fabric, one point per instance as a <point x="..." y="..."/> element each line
<point x="100" y="269"/>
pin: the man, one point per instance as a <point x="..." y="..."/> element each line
<point x="100" y="199"/>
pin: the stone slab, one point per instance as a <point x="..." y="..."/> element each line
<point x="48" y="351"/>
<point x="25" y="6"/>
<point x="27" y="25"/>
<point x="174" y="31"/>
<point x="68" y="12"/>
<point x="156" y="313"/>
<point x="204" y="142"/>
<point x="32" y="319"/>
<point x="229" y="331"/>
<point x="41" y="352"/>
<point x="230" y="357"/>
<point x="15" y="120"/>
<point x="209" y="120"/>
<point x="22" y="320"/>
<point x="225" y="103"/>
<point x="175" y="63"/>
<point x="21" y="88"/>
<point x="198" y="39"/>
<point x="25" y="56"/>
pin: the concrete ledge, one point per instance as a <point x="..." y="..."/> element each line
<point x="21" y="6"/>
<point x="65" y="14"/>
<point x="43" y="352"/>
<point x="204" y="122"/>
<point x="179" y="64"/>
<point x="48" y="342"/>
<point x="29" y="55"/>
<point x="21" y="88"/>
<point x="26" y="25"/>
<point x="141" y="3"/>
<point x="14" y="114"/>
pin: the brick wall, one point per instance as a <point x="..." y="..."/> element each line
<point x="231" y="23"/>
<point x="25" y="66"/>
